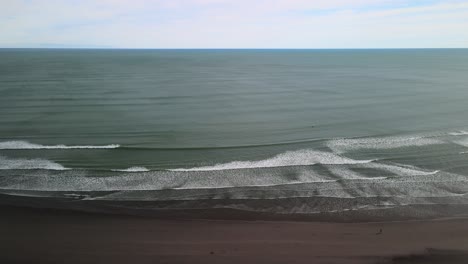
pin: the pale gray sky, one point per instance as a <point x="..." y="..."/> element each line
<point x="234" y="23"/>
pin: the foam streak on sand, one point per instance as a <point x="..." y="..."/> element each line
<point x="18" y="144"/>
<point x="25" y="164"/>
<point x="401" y="169"/>
<point x="290" y="158"/>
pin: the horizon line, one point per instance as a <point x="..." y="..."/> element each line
<point x="110" y="48"/>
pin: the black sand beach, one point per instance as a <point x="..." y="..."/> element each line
<point x="56" y="236"/>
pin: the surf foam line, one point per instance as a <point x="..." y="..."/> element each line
<point x="28" y="164"/>
<point x="290" y="158"/>
<point x="133" y="169"/>
<point x="120" y="196"/>
<point x="227" y="185"/>
<point x="458" y="133"/>
<point x="253" y="186"/>
<point x="344" y="145"/>
<point x="19" y="144"/>
<point x="463" y="142"/>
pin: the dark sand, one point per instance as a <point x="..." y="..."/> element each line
<point x="54" y="236"/>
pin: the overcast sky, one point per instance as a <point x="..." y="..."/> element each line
<point x="234" y="23"/>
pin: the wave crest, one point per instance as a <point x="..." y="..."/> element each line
<point x="344" y="145"/>
<point x="289" y="158"/>
<point x="19" y="144"/>
<point x="458" y="133"/>
<point x="463" y="142"/>
<point x="28" y="164"/>
<point x="133" y="169"/>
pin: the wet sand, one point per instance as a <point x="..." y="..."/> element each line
<point x="57" y="236"/>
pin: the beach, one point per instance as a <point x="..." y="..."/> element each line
<point x="57" y="236"/>
<point x="233" y="156"/>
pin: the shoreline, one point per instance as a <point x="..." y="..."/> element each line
<point x="33" y="235"/>
<point x="205" y="210"/>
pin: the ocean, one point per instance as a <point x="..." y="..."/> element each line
<point x="341" y="133"/>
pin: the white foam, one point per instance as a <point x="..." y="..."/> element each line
<point x="344" y="145"/>
<point x="348" y="174"/>
<point x="463" y="142"/>
<point x="289" y="158"/>
<point x="133" y="169"/>
<point x="77" y="196"/>
<point x="20" y="193"/>
<point x="83" y="180"/>
<point x="250" y="185"/>
<point x="401" y="170"/>
<point x="19" y="144"/>
<point x="27" y="164"/>
<point x="458" y="133"/>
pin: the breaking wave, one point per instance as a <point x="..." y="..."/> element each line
<point x="458" y="133"/>
<point x="463" y="142"/>
<point x="133" y="169"/>
<point x="19" y="144"/>
<point x="28" y="164"/>
<point x="344" y="145"/>
<point x="290" y="158"/>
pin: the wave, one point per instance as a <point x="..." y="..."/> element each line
<point x="401" y="169"/>
<point x="253" y="185"/>
<point x="133" y="169"/>
<point x="28" y="164"/>
<point x="292" y="142"/>
<point x="348" y="174"/>
<point x="290" y="158"/>
<point x="122" y="195"/>
<point x="344" y="145"/>
<point x="458" y="133"/>
<point x="19" y="144"/>
<point x="239" y="184"/>
<point x="463" y="142"/>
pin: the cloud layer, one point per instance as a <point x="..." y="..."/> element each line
<point x="234" y="23"/>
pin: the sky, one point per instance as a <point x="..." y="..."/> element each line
<point x="234" y="23"/>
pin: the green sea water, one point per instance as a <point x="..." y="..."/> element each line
<point x="317" y="123"/>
